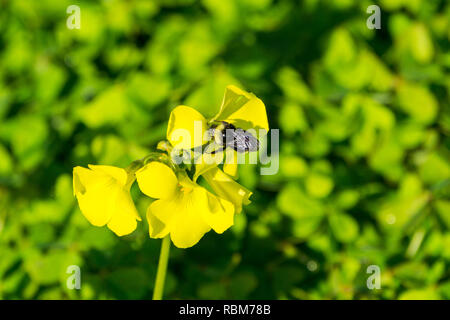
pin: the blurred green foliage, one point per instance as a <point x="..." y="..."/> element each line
<point x="364" y="161"/>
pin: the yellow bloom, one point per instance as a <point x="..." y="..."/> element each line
<point x="184" y="209"/>
<point x="103" y="194"/>
<point x="242" y="109"/>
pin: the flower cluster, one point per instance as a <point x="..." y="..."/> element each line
<point x="182" y="208"/>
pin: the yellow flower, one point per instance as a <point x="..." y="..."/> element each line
<point x="242" y="109"/>
<point x="183" y="209"/>
<point x="103" y="194"/>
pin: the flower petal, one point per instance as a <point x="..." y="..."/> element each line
<point x="242" y="109"/>
<point x="93" y="191"/>
<point x="219" y="213"/>
<point x="124" y="214"/>
<point x="117" y="173"/>
<point x="225" y="187"/>
<point x="181" y="216"/>
<point x="207" y="161"/>
<point x="189" y="226"/>
<point x="230" y="166"/>
<point x="157" y="228"/>
<point x="160" y="214"/>
<point x="186" y="129"/>
<point x="188" y="214"/>
<point x="157" y="180"/>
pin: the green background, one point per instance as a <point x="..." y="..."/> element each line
<point x="364" y="146"/>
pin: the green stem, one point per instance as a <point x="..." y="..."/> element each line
<point x="162" y="268"/>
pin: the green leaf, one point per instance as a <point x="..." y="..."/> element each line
<point x="344" y="227"/>
<point x="418" y="102"/>
<point x="292" y="119"/>
<point x="306" y="212"/>
<point x="293" y="86"/>
<point x="420" y="43"/>
<point x="319" y="185"/>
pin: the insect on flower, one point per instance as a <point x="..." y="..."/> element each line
<point x="227" y="135"/>
<point x="183" y="209"/>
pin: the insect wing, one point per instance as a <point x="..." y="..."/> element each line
<point x="251" y="142"/>
<point x="241" y="141"/>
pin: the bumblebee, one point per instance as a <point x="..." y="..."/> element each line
<point x="238" y="139"/>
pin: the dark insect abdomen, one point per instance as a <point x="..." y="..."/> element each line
<point x="240" y="141"/>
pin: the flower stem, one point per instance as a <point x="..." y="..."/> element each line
<point x="162" y="268"/>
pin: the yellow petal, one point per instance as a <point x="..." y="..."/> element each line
<point x="162" y="212"/>
<point x="219" y="213"/>
<point x="84" y="177"/>
<point x="181" y="216"/>
<point x="78" y="186"/>
<point x="231" y="169"/>
<point x="188" y="214"/>
<point x="242" y="109"/>
<point x="124" y="214"/>
<point x="230" y="166"/>
<point x="117" y="173"/>
<point x="93" y="191"/>
<point x="157" y="180"/>
<point x="188" y="227"/>
<point x="225" y="187"/>
<point x="186" y="129"/>
<point x="207" y="161"/>
<point x="157" y="228"/>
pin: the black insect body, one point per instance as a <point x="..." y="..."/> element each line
<point x="227" y="135"/>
